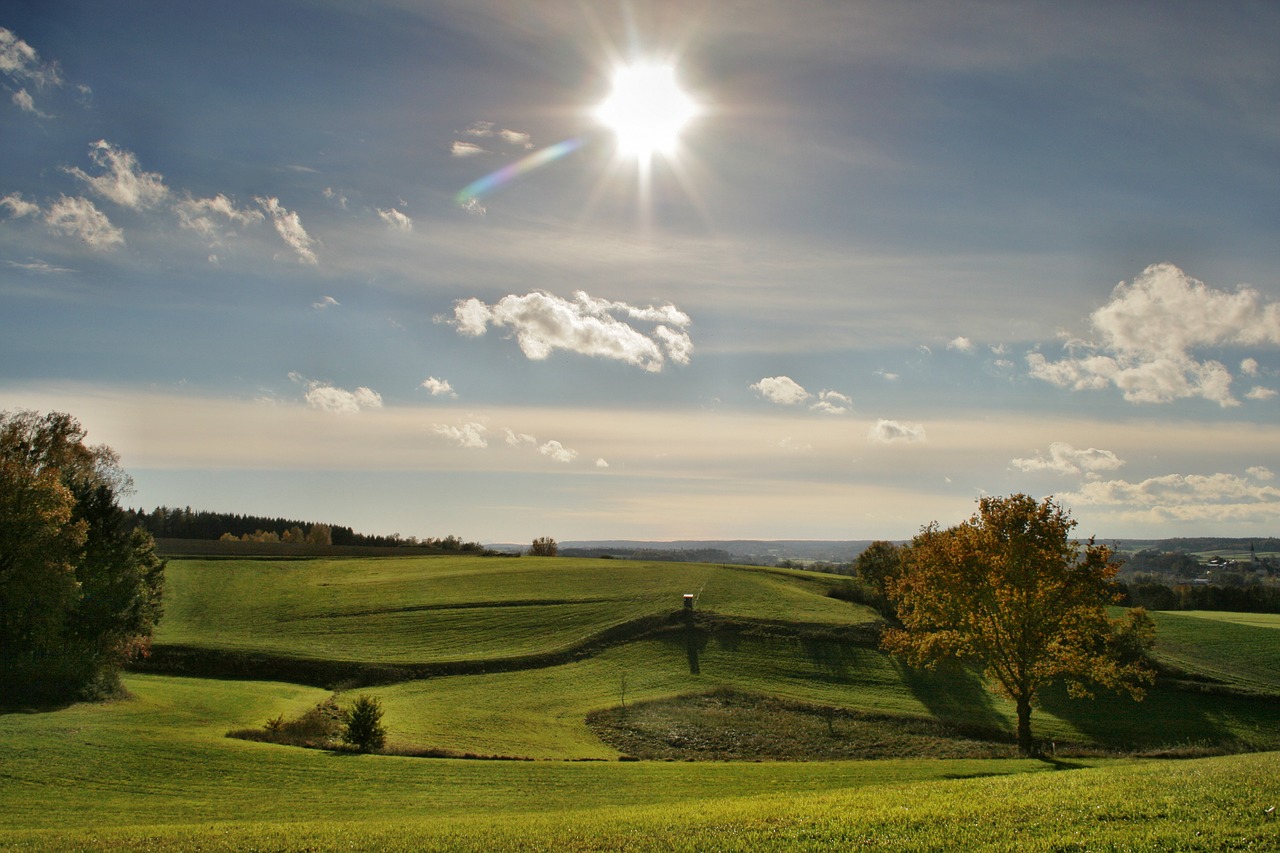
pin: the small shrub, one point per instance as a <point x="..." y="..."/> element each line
<point x="364" y="728"/>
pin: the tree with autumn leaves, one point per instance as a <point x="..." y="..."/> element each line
<point x="1010" y="590"/>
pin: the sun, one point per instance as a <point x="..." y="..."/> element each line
<point x="646" y="110"/>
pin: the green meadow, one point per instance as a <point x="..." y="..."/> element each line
<point x="540" y="647"/>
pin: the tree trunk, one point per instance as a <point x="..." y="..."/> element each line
<point x="1025" y="744"/>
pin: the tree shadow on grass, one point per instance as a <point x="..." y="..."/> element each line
<point x="1167" y="718"/>
<point x="956" y="695"/>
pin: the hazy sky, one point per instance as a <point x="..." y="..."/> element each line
<point x="904" y="255"/>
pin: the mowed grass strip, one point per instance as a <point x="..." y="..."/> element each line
<point x="428" y="609"/>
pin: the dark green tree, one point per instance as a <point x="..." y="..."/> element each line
<point x="364" y="729"/>
<point x="80" y="585"/>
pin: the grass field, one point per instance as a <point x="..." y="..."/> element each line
<point x="156" y="771"/>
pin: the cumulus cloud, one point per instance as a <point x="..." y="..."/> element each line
<point x="782" y="390"/>
<point x="18" y="207"/>
<point x="1260" y="472"/>
<point x="961" y="343"/>
<point x="542" y="323"/>
<point x="1249" y="367"/>
<point x="601" y="463"/>
<point x="557" y="452"/>
<point x="1202" y="498"/>
<point x="78" y="217"/>
<point x="887" y="432"/>
<point x="20" y="61"/>
<point x="465" y="149"/>
<point x="122" y="179"/>
<point x="210" y="217"/>
<point x="833" y="403"/>
<point x="328" y="398"/>
<point x="289" y="227"/>
<point x="1147" y="339"/>
<point x="439" y="387"/>
<point x="1065" y="459"/>
<point x="396" y="219"/>
<point x="1258" y="392"/>
<point x="520" y="439"/>
<point x="469" y="435"/>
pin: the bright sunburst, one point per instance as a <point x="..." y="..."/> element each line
<point x="646" y="110"/>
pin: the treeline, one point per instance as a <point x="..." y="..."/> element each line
<point x="185" y="523"/>
<point x="1237" y="599"/>
<point x="657" y="555"/>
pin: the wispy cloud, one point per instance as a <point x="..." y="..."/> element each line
<point x="208" y="216"/>
<point x="465" y="149"/>
<point x="78" y="217"/>
<point x="40" y="267"/>
<point x="888" y="432"/>
<point x="326" y="302"/>
<point x="543" y="323"/>
<point x="1065" y="459"/>
<point x="439" y="387"/>
<point x="397" y="220"/>
<point x="289" y="226"/>
<point x="519" y="439"/>
<point x="19" y="207"/>
<point x="1148" y="335"/>
<point x="833" y="403"/>
<point x="20" y="61"/>
<point x="122" y="180"/>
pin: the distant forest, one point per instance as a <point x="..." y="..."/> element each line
<point x="186" y="523"/>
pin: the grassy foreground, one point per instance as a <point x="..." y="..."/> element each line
<point x="154" y="773"/>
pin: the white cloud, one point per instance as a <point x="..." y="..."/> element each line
<point x="1257" y="392"/>
<point x="601" y="463"/>
<point x="1147" y="337"/>
<point x="833" y="403"/>
<point x="123" y="181"/>
<point x="886" y="432"/>
<point x="326" y="302"/>
<point x="328" y="398"/>
<point x="961" y="343"/>
<point x="1065" y="459"/>
<point x="42" y="267"/>
<point x="18" y="207"/>
<point x="396" y="219"/>
<point x="515" y="439"/>
<point x="480" y="128"/>
<point x="27" y="104"/>
<point x="782" y="390"/>
<point x="558" y="452"/>
<point x="289" y="227"/>
<point x="78" y="217"/>
<point x="1249" y="367"/>
<point x="1260" y="472"/>
<point x="543" y="323"/>
<point x="208" y="216"/>
<point x="20" y="61"/>
<point x="887" y="376"/>
<point x="469" y="435"/>
<point x="472" y="207"/>
<point x="439" y="387"/>
<point x="1196" y="498"/>
<point x="517" y="138"/>
<point x="465" y="149"/>
<point x="336" y="197"/>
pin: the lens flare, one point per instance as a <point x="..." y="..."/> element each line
<point x="481" y="187"/>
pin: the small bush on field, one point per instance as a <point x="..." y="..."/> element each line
<point x="364" y="728"/>
<point x="317" y="728"/>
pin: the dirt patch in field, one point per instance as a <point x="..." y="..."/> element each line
<point x="727" y="725"/>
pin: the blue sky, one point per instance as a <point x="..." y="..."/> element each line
<point x="904" y="256"/>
